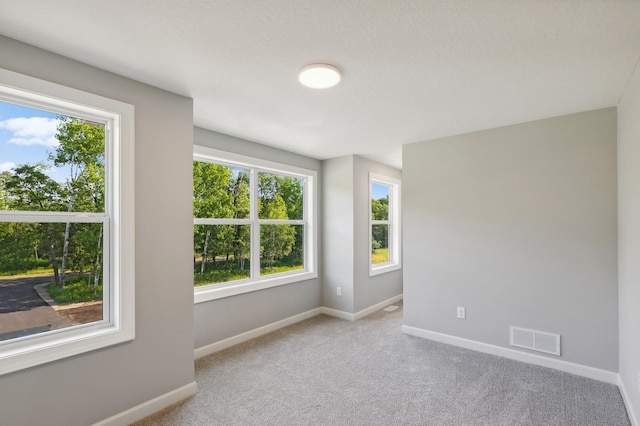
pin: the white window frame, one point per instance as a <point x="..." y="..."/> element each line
<point x="394" y="223"/>
<point x="118" y="324"/>
<point x="309" y="222"/>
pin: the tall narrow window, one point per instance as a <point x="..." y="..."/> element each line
<point x="384" y="224"/>
<point x="254" y="224"/>
<point x="65" y="222"/>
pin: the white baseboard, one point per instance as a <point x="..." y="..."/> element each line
<point x="557" y="364"/>
<point x="260" y="331"/>
<point x="361" y="314"/>
<point x="154" y="405"/>
<point x="371" y="309"/>
<point x="627" y="403"/>
<point x="338" y="314"/>
<point x="252" y="334"/>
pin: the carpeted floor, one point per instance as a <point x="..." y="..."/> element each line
<point x="327" y="371"/>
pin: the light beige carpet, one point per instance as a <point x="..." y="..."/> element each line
<point x="327" y="371"/>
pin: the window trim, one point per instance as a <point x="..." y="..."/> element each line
<point x="394" y="222"/>
<point x="215" y="291"/>
<point x="118" y="299"/>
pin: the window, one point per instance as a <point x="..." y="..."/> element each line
<point x="384" y="224"/>
<point x="66" y="222"/>
<point x="254" y="224"/>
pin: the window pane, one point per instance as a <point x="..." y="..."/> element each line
<point x="281" y="248"/>
<point x="379" y="243"/>
<point x="221" y="253"/>
<point x="50" y="162"/>
<point x="44" y="287"/>
<point x="280" y="197"/>
<point x="380" y="201"/>
<point x="220" y="192"/>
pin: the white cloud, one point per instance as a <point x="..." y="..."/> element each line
<point x="6" y="166"/>
<point x="31" y="131"/>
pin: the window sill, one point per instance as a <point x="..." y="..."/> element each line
<point x="35" y="350"/>
<point x="219" y="291"/>
<point x="384" y="268"/>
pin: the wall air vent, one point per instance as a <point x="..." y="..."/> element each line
<point x="534" y="340"/>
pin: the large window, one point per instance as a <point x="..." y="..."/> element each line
<point x="254" y="224"/>
<point x="66" y="222"/>
<point x="384" y="224"/>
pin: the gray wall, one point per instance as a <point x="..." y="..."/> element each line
<point x="378" y="288"/>
<point x="346" y="236"/>
<point x="337" y="236"/>
<point x="629" y="238"/>
<point x="223" y="318"/>
<point x="518" y="225"/>
<point x="88" y="388"/>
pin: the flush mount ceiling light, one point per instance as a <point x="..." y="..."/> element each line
<point x="319" y="76"/>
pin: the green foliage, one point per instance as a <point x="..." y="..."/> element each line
<point x="276" y="242"/>
<point x="280" y="197"/>
<point x="380" y="208"/>
<point x="34" y="268"/>
<point x="222" y="252"/>
<point x="25" y="246"/>
<point x="380" y="255"/>
<point x="76" y="290"/>
<point x="379" y="233"/>
<point x="212" y="195"/>
<point x="266" y="270"/>
<point x="29" y="188"/>
<point x="4" y="196"/>
<point x="219" y="274"/>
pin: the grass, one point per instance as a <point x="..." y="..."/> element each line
<point x="380" y="256"/>
<point x="218" y="276"/>
<point x="279" y="269"/>
<point x="27" y="268"/>
<point x="75" y="290"/>
<point x="36" y="271"/>
<point x="221" y="273"/>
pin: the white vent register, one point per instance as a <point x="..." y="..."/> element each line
<point x="534" y="340"/>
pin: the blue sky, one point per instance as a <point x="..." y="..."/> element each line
<point x="27" y="135"/>
<point x="379" y="191"/>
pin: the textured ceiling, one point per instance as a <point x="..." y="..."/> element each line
<point x="412" y="70"/>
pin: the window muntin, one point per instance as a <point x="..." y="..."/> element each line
<point x="74" y="214"/>
<point x="273" y="241"/>
<point x="384" y="224"/>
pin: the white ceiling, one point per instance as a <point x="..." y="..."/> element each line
<point x="412" y="70"/>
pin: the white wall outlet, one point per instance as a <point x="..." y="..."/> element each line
<point x="462" y="313"/>
<point x="339" y="291"/>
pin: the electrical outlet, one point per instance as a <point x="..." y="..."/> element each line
<point x="462" y="314"/>
<point x="339" y="291"/>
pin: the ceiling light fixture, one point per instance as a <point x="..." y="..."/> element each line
<point x="319" y="76"/>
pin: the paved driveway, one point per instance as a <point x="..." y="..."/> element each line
<point x="22" y="311"/>
<point x="17" y="294"/>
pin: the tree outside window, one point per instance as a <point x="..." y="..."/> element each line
<point x="251" y="223"/>
<point x="66" y="223"/>
<point x="62" y="253"/>
<point x="384" y="224"/>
